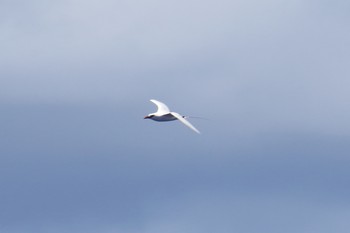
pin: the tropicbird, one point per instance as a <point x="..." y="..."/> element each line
<point x="163" y="114"/>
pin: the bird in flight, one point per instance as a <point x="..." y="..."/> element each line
<point x="163" y="114"/>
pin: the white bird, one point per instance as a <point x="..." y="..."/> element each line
<point x="163" y="114"/>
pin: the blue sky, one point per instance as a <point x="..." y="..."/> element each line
<point x="75" y="82"/>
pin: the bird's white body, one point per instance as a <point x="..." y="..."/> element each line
<point x="163" y="114"/>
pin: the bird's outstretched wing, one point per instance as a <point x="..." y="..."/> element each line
<point x="186" y="122"/>
<point x="162" y="108"/>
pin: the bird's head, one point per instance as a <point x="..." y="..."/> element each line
<point x="148" y="116"/>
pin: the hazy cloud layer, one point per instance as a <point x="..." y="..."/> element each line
<point x="272" y="77"/>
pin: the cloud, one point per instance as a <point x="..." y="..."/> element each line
<point x="272" y="59"/>
<point x="120" y="44"/>
<point x="271" y="76"/>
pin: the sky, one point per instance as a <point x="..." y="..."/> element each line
<point x="270" y="77"/>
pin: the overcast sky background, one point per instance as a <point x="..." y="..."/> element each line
<point x="271" y="76"/>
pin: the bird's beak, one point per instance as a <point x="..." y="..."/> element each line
<point x="146" y="117"/>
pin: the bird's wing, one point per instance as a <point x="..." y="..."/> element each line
<point x="186" y="122"/>
<point x="162" y="108"/>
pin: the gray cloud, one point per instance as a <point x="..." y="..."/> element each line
<point x="76" y="155"/>
<point x="81" y="170"/>
<point x="273" y="58"/>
